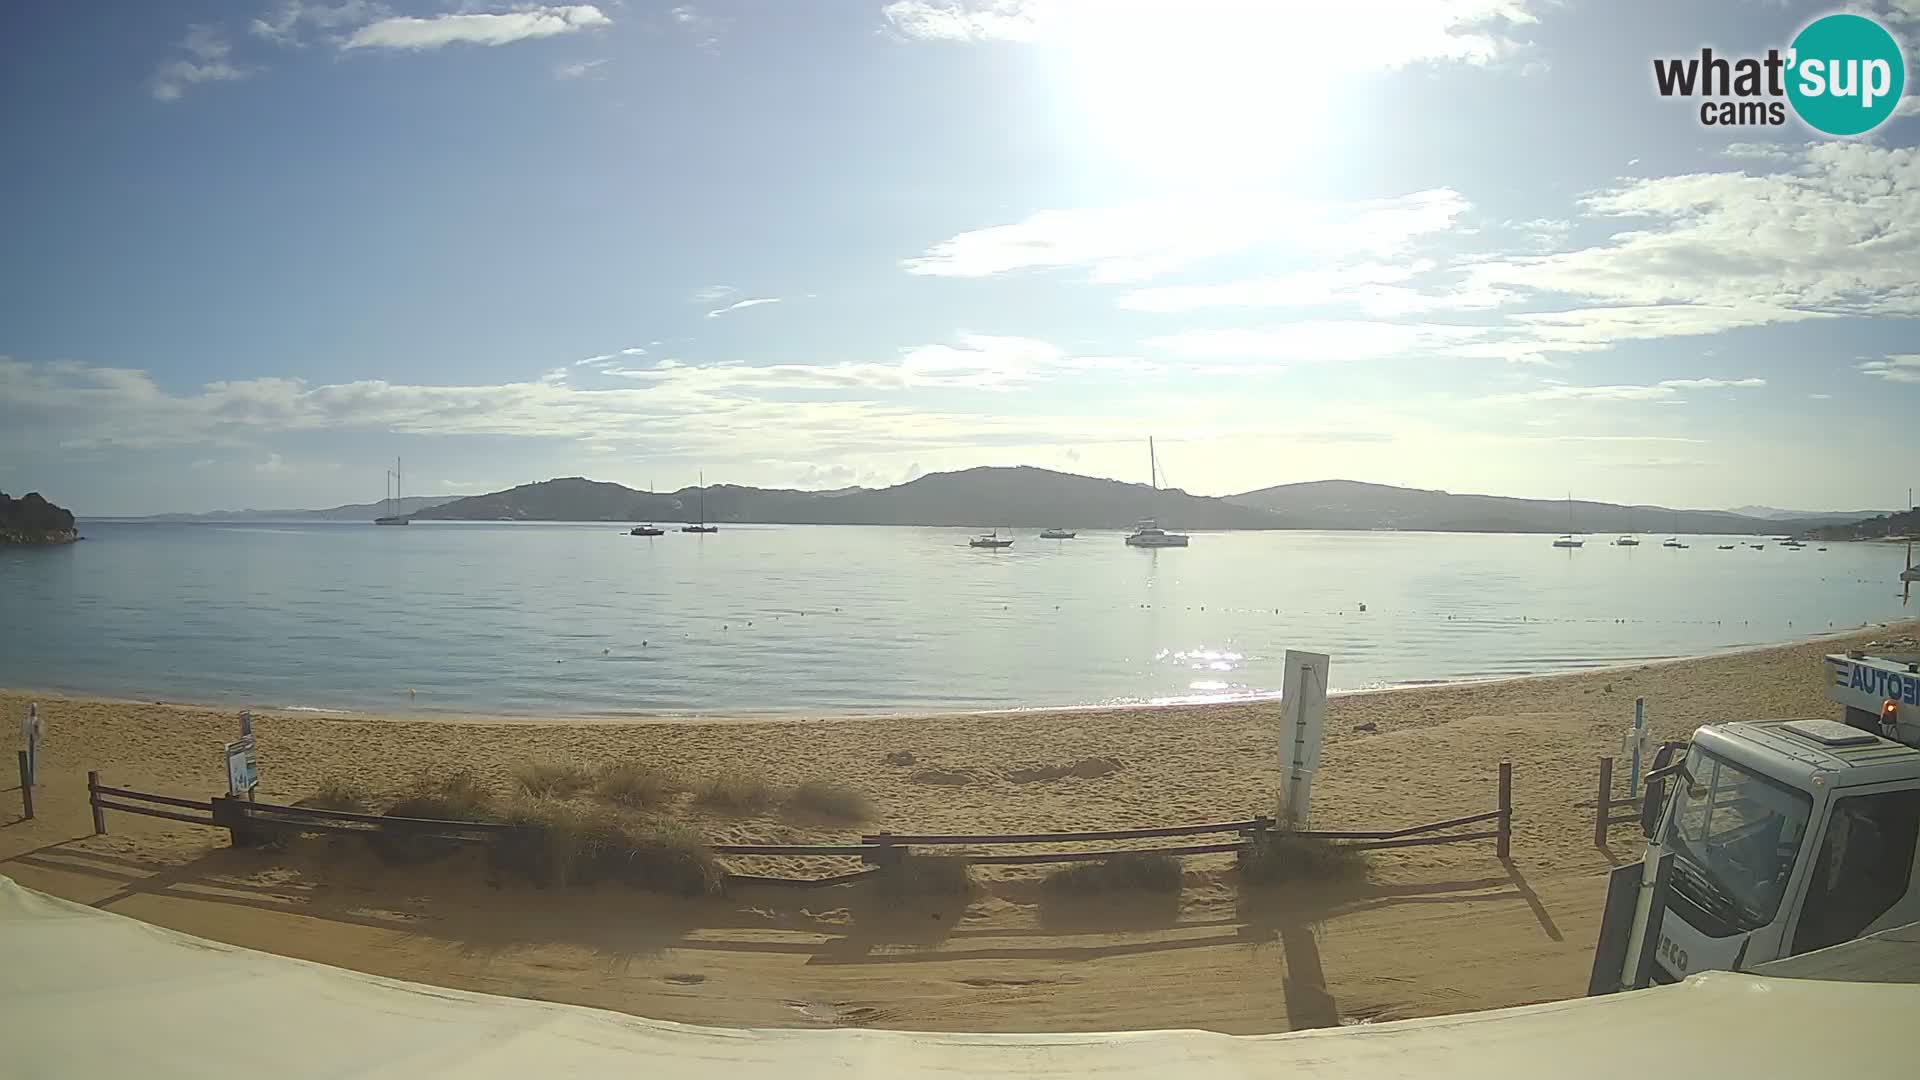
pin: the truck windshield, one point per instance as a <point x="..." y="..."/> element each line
<point x="1735" y="836"/>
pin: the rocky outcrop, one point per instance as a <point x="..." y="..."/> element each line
<point x="34" y="520"/>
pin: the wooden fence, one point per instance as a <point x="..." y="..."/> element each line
<point x="1604" y="804"/>
<point x="248" y="821"/>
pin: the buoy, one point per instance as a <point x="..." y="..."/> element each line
<point x="643" y="644"/>
<point x="605" y="652"/>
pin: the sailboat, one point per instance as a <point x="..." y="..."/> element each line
<point x="1674" y="540"/>
<point x="1568" y="541"/>
<point x="395" y="517"/>
<point x="703" y="527"/>
<point x="1057" y="534"/>
<point x="1147" y="532"/>
<point x="991" y="540"/>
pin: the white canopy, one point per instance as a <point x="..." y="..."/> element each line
<point x="85" y="993"/>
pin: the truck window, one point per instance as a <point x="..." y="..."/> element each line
<point x="1864" y="867"/>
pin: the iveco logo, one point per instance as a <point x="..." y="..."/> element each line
<point x="1674" y="955"/>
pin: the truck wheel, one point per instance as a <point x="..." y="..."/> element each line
<point x="1862" y="719"/>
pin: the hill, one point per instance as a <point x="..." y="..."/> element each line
<point x="34" y="520"/>
<point x="983" y="497"/>
<point x="349" y="512"/>
<point x="1350" y="504"/>
<point x="1903" y="523"/>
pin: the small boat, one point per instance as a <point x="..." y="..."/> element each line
<point x="1910" y="575"/>
<point x="1568" y="541"/>
<point x="702" y="527"/>
<point x="1147" y="532"/>
<point x="1822" y="549"/>
<point x="1791" y="543"/>
<point x="1056" y="534"/>
<point x="396" y="517"/>
<point x="646" y="530"/>
<point x="1730" y="547"/>
<point x="1757" y="547"/>
<point x="1672" y="542"/>
<point x="991" y="540"/>
<point x="1626" y="541"/>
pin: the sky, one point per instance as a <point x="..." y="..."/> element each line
<point x="252" y="252"/>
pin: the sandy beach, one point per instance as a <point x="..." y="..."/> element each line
<point x="1438" y="929"/>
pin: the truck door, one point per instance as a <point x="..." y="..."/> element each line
<point x="1863" y="872"/>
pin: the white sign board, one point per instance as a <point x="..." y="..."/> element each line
<point x="31" y="732"/>
<point x="241" y="772"/>
<point x="1303" y="718"/>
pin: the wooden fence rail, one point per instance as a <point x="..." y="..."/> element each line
<point x="1604" y="804"/>
<point x="246" y="820"/>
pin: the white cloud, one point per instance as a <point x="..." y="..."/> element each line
<point x="273" y="464"/>
<point x="610" y="358"/>
<point x="208" y="62"/>
<point x="581" y="70"/>
<point x="408" y="32"/>
<point x="705" y="28"/>
<point x="1312" y="341"/>
<point x="713" y="294"/>
<point x="1839" y="231"/>
<point x="1901" y="368"/>
<point x="739" y="305"/>
<point x="1399" y="32"/>
<point x="1821" y="397"/>
<point x="284" y="25"/>
<point x="1141" y="241"/>
<point x="1667" y="390"/>
<point x="1908" y="106"/>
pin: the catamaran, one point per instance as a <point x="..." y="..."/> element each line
<point x="702" y="527"/>
<point x="1147" y="532"/>
<point x="394" y="516"/>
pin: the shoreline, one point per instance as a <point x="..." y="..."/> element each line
<point x="471" y="717"/>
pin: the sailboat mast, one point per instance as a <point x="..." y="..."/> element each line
<point x="398" y="498"/>
<point x="703" y="496"/>
<point x="1153" y="466"/>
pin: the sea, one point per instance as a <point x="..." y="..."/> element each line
<point x="581" y="619"/>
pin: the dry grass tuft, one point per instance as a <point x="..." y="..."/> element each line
<point x="1140" y="873"/>
<point x="826" y="800"/>
<point x="1281" y="858"/>
<point x="564" y="844"/>
<point x="552" y="779"/>
<point x="739" y="791"/>
<point x="636" y="785"/>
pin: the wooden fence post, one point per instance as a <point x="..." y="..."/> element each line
<point x="26" y="790"/>
<point x="1504" y="843"/>
<point x="93" y="800"/>
<point x="1602" y="805"/>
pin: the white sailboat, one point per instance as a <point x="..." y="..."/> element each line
<point x="702" y="527"/>
<point x="1568" y="540"/>
<point x="1147" y="532"/>
<point x="1674" y="540"/>
<point x="394" y="515"/>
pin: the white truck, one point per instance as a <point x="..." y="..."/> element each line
<point x="1778" y="836"/>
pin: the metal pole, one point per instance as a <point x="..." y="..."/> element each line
<point x="26" y="789"/>
<point x="1639" y="725"/>
<point x="1601" y="801"/>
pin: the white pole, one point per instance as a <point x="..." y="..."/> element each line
<point x="1303" y="713"/>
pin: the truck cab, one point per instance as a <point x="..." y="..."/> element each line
<point x="1792" y="835"/>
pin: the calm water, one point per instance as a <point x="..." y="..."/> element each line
<point x="583" y="619"/>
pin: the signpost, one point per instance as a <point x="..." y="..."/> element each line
<point x="1303" y="716"/>
<point x="242" y="766"/>
<point x="31" y="732"/>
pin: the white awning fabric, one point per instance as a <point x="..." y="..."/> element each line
<point x="85" y="993"/>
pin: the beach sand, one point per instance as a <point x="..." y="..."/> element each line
<point x="1439" y="929"/>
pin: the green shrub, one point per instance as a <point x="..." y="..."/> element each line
<point x="1279" y="858"/>
<point x="1144" y="872"/>
<point x="551" y="779"/>
<point x="738" y="791"/>
<point x="829" y="801"/>
<point x="636" y="784"/>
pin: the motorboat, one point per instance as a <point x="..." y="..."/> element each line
<point x="1568" y="541"/>
<point x="646" y="530"/>
<point x="1057" y="534"/>
<point x="991" y="540"/>
<point x="1730" y="547"/>
<point x="1626" y="541"/>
